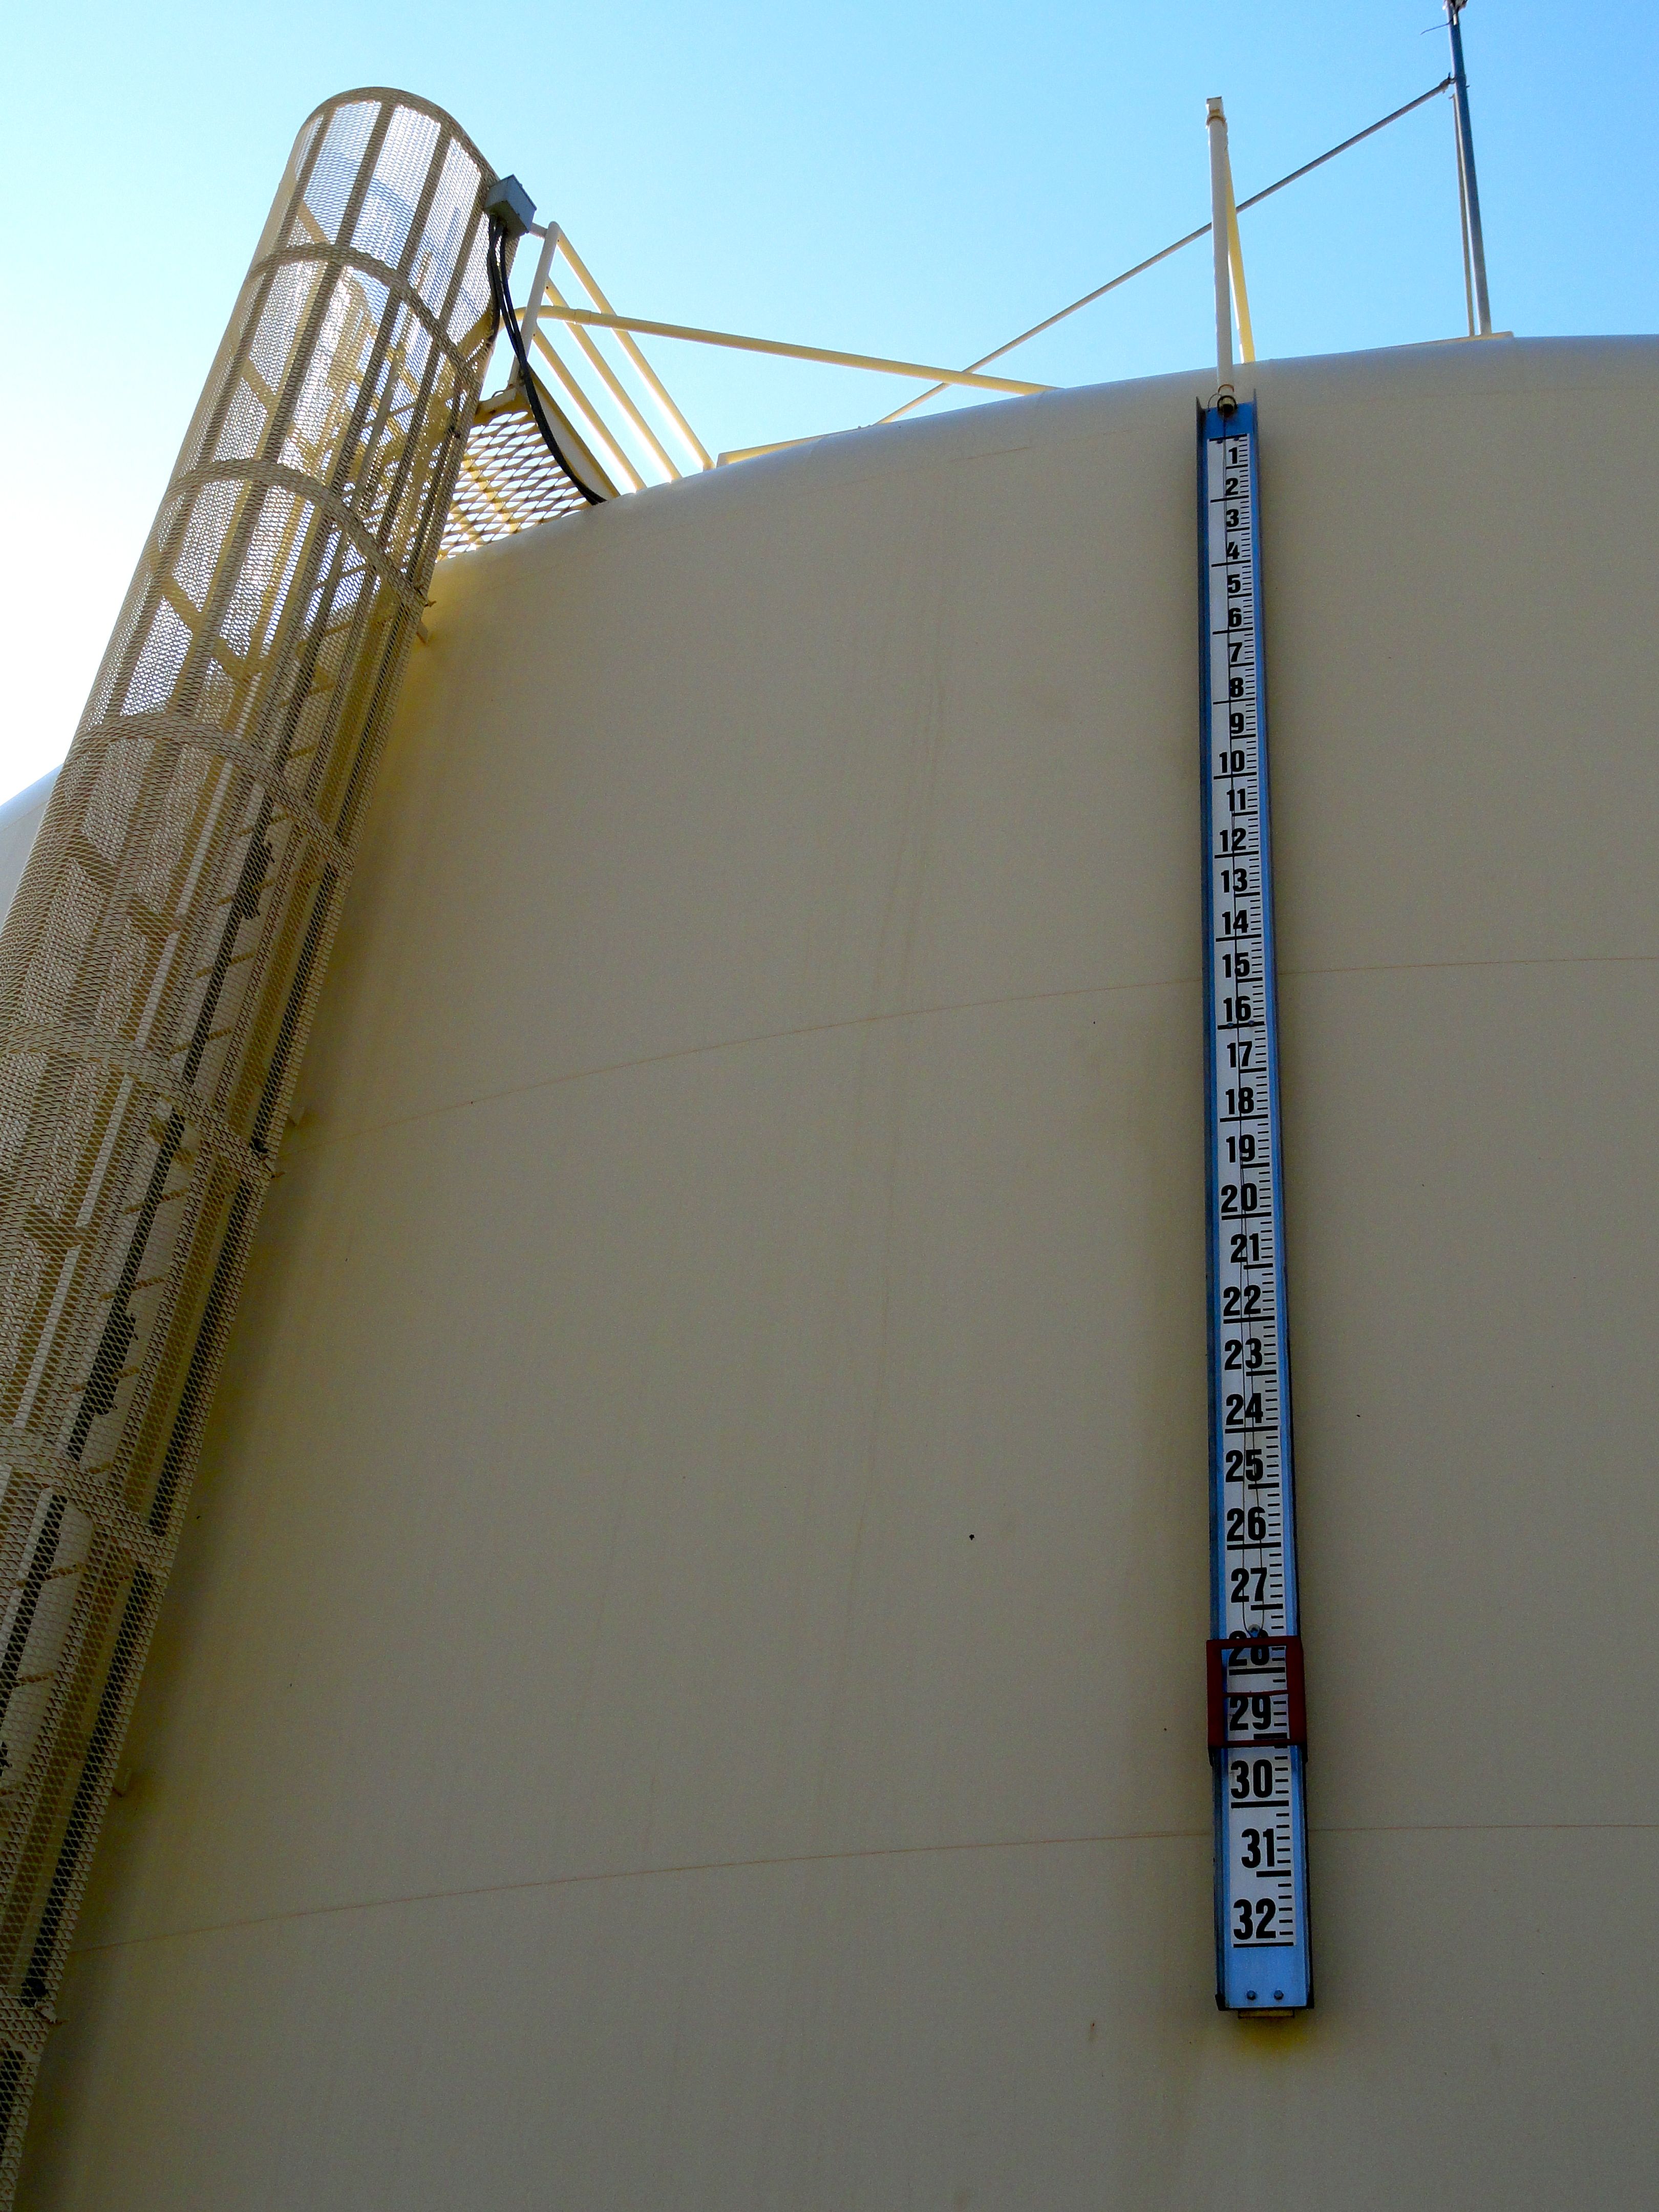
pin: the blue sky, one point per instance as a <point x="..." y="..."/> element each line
<point x="911" y="178"/>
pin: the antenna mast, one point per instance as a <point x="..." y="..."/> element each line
<point x="1472" y="238"/>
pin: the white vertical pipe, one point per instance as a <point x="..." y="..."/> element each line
<point x="1219" y="198"/>
<point x="532" y="310"/>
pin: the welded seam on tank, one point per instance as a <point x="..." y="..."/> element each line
<point x="1517" y="960"/>
<point x="842" y="1858"/>
<point x="356" y="1134"/>
<point x="648" y="1874"/>
<point x="739" y="1044"/>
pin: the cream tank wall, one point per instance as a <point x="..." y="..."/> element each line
<point x="19" y="818"/>
<point x="684" y="1686"/>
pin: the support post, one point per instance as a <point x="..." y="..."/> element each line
<point x="1235" y="258"/>
<point x="1471" y="190"/>
<point x="532" y="310"/>
<point x="1463" y="224"/>
<point x="1220" y="200"/>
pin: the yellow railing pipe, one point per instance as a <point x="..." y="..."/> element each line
<point x="654" y="381"/>
<point x="836" y="360"/>
<point x="552" y="301"/>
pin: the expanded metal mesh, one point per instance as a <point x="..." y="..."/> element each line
<point x="162" y="958"/>
<point x="508" y="482"/>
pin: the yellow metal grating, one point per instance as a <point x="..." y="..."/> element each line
<point x="508" y="482"/>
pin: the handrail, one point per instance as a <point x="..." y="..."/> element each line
<point x="572" y="387"/>
<point x="1175" y="244"/>
<point x="877" y="362"/>
<point x="552" y="295"/>
<point x="602" y="398"/>
<point x="647" y="371"/>
<point x="614" y="412"/>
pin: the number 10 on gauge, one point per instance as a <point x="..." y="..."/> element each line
<point x="1257" y="1709"/>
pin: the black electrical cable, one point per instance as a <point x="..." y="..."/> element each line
<point x="496" y="257"/>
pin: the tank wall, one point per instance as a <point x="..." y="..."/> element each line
<point x="20" y="820"/>
<point x="685" y="1683"/>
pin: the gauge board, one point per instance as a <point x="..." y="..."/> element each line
<point x="1257" y="1708"/>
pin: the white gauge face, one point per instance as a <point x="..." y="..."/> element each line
<point x="1261" y="1881"/>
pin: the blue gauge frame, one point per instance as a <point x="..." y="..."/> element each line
<point x="1250" y="1978"/>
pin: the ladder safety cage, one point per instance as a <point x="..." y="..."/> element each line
<point x="161" y="963"/>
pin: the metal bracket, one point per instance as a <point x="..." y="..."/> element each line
<point x="1218" y="1655"/>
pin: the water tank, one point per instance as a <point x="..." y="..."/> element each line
<point x="684" y="1686"/>
<point x="19" y="819"/>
